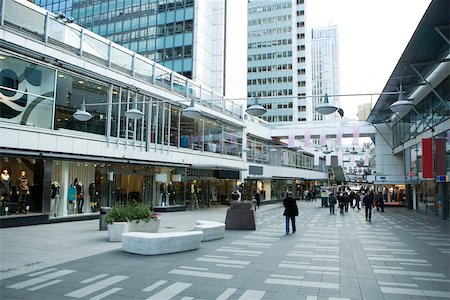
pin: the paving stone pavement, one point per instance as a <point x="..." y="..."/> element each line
<point x="399" y="255"/>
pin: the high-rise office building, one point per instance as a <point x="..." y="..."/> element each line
<point x="202" y="40"/>
<point x="277" y="59"/>
<point x="324" y="68"/>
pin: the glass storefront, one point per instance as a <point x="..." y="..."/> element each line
<point x="62" y="188"/>
<point x="24" y="182"/>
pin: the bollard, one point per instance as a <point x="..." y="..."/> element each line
<point x="103" y="212"/>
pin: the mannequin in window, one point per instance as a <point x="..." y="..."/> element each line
<point x="171" y="193"/>
<point x="80" y="197"/>
<point x="93" y="196"/>
<point x="5" y="189"/>
<point x="54" y="197"/>
<point x="162" y="193"/>
<point x="23" y="191"/>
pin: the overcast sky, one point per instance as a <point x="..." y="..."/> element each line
<point x="372" y="37"/>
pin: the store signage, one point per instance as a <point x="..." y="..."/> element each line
<point x="442" y="178"/>
<point x="255" y="170"/>
<point x="427" y="158"/>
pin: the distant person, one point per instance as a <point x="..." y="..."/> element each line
<point x="332" y="202"/>
<point x="368" y="204"/>
<point x="290" y="211"/>
<point x="379" y="202"/>
<point x="257" y="199"/>
<point x="341" y="200"/>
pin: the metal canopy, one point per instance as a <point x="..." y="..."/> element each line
<point x="427" y="48"/>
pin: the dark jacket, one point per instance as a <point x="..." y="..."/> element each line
<point x="55" y="191"/>
<point x="22" y="184"/>
<point x="93" y="191"/>
<point x="290" y="206"/>
<point x="368" y="200"/>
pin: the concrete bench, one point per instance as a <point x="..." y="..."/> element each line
<point x="211" y="230"/>
<point x="146" y="243"/>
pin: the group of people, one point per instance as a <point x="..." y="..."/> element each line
<point x="348" y="197"/>
<point x="309" y="195"/>
<point x="22" y="190"/>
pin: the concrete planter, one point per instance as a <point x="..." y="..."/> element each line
<point x="115" y="231"/>
<point x="143" y="226"/>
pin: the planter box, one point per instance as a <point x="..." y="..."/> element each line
<point x="115" y="231"/>
<point x="143" y="226"/>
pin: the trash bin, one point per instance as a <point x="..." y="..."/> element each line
<point x="103" y="212"/>
<point x="324" y="195"/>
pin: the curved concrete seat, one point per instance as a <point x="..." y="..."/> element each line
<point x="146" y="243"/>
<point x="211" y="230"/>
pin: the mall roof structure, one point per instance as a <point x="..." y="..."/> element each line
<point x="428" y="48"/>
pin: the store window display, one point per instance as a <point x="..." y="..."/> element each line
<point x="22" y="191"/>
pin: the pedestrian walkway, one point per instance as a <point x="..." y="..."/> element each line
<point x="399" y="255"/>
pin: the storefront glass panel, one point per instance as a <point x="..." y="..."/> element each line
<point x="428" y="203"/>
<point x="23" y="180"/>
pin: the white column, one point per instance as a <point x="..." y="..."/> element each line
<point x="64" y="187"/>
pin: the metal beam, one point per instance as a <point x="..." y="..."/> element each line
<point x="387" y="142"/>
<point x="432" y="89"/>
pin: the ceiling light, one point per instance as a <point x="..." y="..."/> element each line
<point x="402" y="105"/>
<point x="82" y="114"/>
<point x="326" y="108"/>
<point x="191" y="111"/>
<point x="255" y="109"/>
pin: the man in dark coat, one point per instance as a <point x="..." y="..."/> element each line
<point x="368" y="204"/>
<point x="290" y="211"/>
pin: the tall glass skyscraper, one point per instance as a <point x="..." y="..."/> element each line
<point x="325" y="68"/>
<point x="191" y="37"/>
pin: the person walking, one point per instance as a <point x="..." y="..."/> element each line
<point x="332" y="202"/>
<point x="290" y="211"/>
<point x="341" y="200"/>
<point x="368" y="204"/>
<point x="257" y="199"/>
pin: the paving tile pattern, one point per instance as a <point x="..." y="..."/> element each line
<point x="399" y="255"/>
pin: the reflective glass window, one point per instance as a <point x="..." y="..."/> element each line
<point x="26" y="92"/>
<point x="71" y="91"/>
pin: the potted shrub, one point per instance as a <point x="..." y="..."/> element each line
<point x="117" y="222"/>
<point x="142" y="219"/>
<point x="130" y="217"/>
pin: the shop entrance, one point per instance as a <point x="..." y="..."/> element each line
<point x="130" y="184"/>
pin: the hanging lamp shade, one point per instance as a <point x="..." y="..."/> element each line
<point x="326" y="108"/>
<point x="191" y="111"/>
<point x="402" y="105"/>
<point x="134" y="113"/>
<point x="81" y="114"/>
<point x="327" y="151"/>
<point x="255" y="109"/>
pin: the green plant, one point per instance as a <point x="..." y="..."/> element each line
<point x="129" y="212"/>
